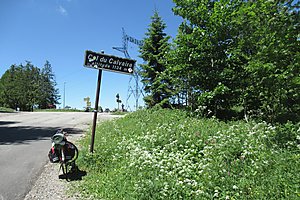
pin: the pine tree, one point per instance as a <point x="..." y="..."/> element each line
<point x="153" y="51"/>
<point x="49" y="94"/>
<point x="19" y="86"/>
<point x="27" y="86"/>
<point x="10" y="87"/>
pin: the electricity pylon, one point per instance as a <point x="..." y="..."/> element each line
<point x="133" y="85"/>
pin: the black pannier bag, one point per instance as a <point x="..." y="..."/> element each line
<point x="69" y="151"/>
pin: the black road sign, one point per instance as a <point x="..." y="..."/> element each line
<point x="108" y="62"/>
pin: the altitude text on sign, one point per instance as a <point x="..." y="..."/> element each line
<point x="108" y="62"/>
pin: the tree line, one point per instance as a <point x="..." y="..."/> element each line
<point x="27" y="87"/>
<point x="231" y="59"/>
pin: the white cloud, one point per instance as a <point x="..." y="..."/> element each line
<point x="62" y="10"/>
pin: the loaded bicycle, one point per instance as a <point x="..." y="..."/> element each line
<point x="63" y="152"/>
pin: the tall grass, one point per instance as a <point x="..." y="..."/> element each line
<point x="164" y="154"/>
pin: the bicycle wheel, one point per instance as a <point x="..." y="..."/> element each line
<point x="76" y="152"/>
<point x="68" y="166"/>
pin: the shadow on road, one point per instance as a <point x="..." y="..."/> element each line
<point x="25" y="134"/>
<point x="7" y="122"/>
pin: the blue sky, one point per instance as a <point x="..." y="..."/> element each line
<point x="61" y="30"/>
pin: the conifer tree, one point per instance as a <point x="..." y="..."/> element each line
<point x="49" y="94"/>
<point x="153" y="51"/>
<point x="27" y="86"/>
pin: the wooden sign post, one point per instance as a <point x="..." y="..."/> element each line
<point x="110" y="63"/>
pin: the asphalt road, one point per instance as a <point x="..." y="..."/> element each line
<point x="25" y="142"/>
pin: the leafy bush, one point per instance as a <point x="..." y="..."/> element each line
<point x="164" y="154"/>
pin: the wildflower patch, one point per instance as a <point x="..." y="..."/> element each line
<point x="165" y="154"/>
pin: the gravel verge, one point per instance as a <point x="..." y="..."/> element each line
<point x="48" y="186"/>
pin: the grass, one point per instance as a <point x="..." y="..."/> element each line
<point x="119" y="113"/>
<point x="58" y="110"/>
<point x="6" y="110"/>
<point x="165" y="154"/>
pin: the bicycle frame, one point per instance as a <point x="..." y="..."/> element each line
<point x="59" y="143"/>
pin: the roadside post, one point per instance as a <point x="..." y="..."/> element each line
<point x="111" y="63"/>
<point x="96" y="110"/>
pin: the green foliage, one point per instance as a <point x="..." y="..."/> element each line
<point x="273" y="66"/>
<point x="26" y="86"/>
<point x="155" y="47"/>
<point x="119" y="113"/>
<point x="165" y="154"/>
<point x="243" y="47"/>
<point x="287" y="136"/>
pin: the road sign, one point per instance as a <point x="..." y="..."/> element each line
<point x="101" y="62"/>
<point x="108" y="62"/>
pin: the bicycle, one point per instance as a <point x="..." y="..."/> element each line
<point x="63" y="152"/>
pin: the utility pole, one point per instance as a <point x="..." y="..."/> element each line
<point x="118" y="101"/>
<point x="64" y="103"/>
